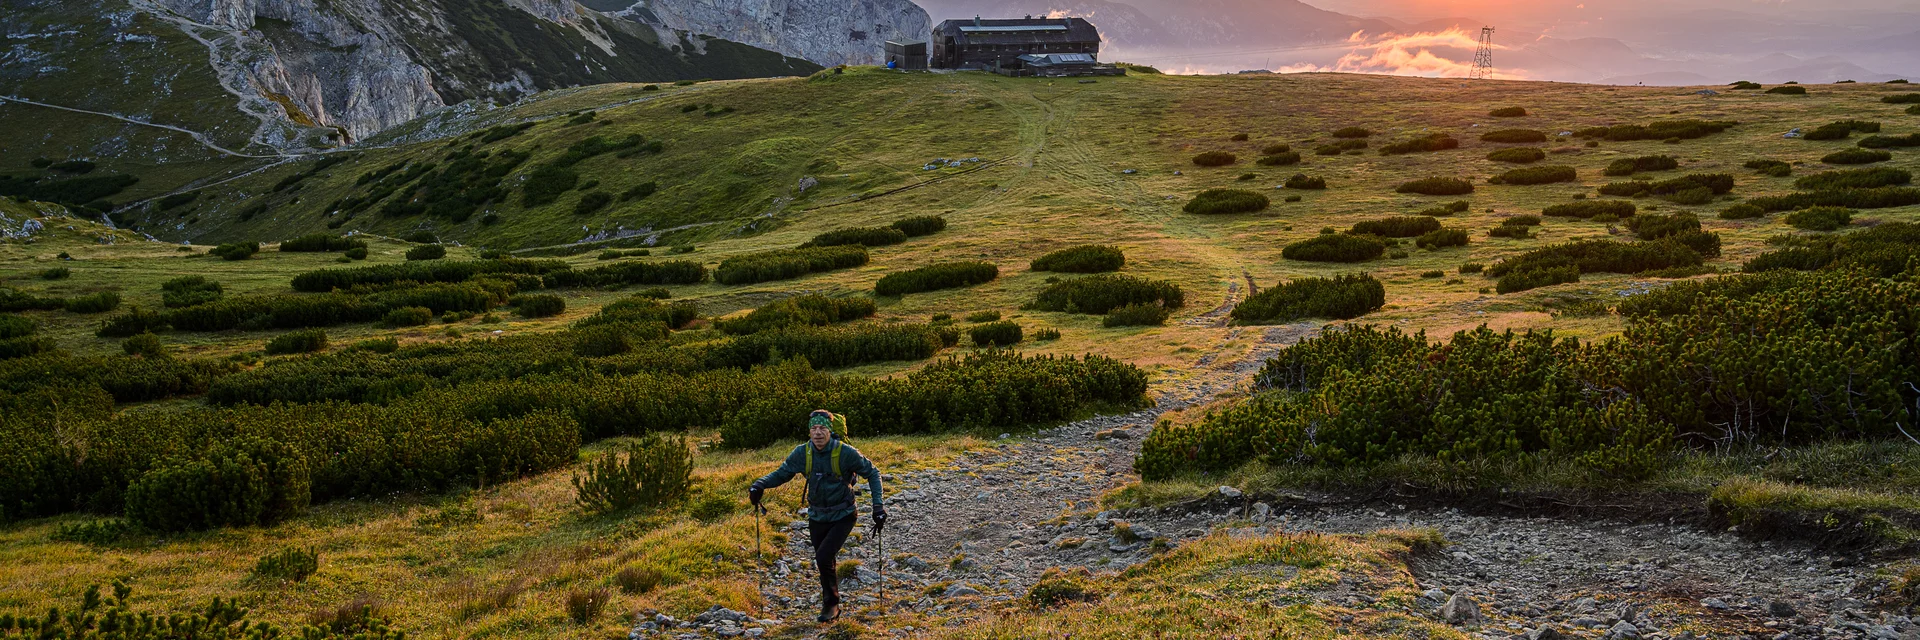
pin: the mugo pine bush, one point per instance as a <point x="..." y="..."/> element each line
<point x="1089" y="258"/>
<point x="1437" y="187"/>
<point x="1100" y="294"/>
<point x="650" y="473"/>
<point x="1337" y="247"/>
<point x="1362" y="396"/>
<point x="1337" y="298"/>
<point x="1216" y="201"/>
<point x="950" y="275"/>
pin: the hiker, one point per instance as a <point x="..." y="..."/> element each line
<point x="829" y="466"/>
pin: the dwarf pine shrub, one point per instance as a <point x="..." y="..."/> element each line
<point x="1514" y="136"/>
<point x="1222" y="201"/>
<point x="1774" y="168"/>
<point x="1890" y="142"/>
<point x="1434" y="142"/>
<point x="1584" y="209"/>
<point x="1397" y="227"/>
<point x="1742" y="211"/>
<point x="1522" y="155"/>
<point x="1842" y="130"/>
<point x="1136" y="315"/>
<point x="1536" y="175"/>
<point x="917" y="226"/>
<point x="1303" y="181"/>
<point x="101" y="302"/>
<point x="1856" y="156"/>
<point x="1855" y="179"/>
<point x="1661" y="130"/>
<point x="1788" y="91"/>
<point x="1004" y="333"/>
<point x="1100" y="294"/>
<point x="303" y="341"/>
<point x="1339" y="147"/>
<point x="1282" y="159"/>
<point x="784" y="264"/>
<point x="292" y="564"/>
<point x="870" y="237"/>
<point x="1654" y="226"/>
<point x="652" y="472"/>
<point x="1630" y="166"/>
<point x="320" y="243"/>
<point x="1215" y="159"/>
<point x="1820" y="218"/>
<point x="1337" y="298"/>
<point x="1089" y="258"/>
<point x="235" y="250"/>
<point x="1437" y="186"/>
<point x="1508" y="112"/>
<point x="951" y="275"/>
<point x="1335" y="248"/>
<point x="427" y="252"/>
<point x="1441" y="238"/>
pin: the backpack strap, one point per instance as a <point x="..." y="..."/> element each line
<point x="835" y="458"/>
<point x="802" y="450"/>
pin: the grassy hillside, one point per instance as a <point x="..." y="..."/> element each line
<point x="1061" y="163"/>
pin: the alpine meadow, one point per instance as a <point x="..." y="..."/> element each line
<point x="1303" y="355"/>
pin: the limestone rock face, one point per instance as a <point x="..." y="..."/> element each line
<point x="325" y="72"/>
<point x="827" y="32"/>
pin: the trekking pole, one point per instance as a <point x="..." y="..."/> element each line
<point x="881" y="535"/>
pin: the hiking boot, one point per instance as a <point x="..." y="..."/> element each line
<point x="829" y="610"/>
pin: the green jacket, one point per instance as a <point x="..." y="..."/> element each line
<point x="829" y="497"/>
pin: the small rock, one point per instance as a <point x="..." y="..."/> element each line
<point x="756" y="632"/>
<point x="1460" y="609"/>
<point x="1780" y="609"/>
<point x="1546" y="632"/>
<point x="1587" y="622"/>
<point x="1130" y="171"/>
<point x="1261" y="511"/>
<point x="1715" y="604"/>
<point x="916" y="564"/>
<point x="1112" y="434"/>
<point x="1229" y="492"/>
<point x="1624" y="631"/>
<point x="958" y="590"/>
<point x="721" y="614"/>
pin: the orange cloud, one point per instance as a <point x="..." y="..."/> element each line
<point x="1411" y="55"/>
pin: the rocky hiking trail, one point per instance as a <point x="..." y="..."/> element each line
<point x="980" y="531"/>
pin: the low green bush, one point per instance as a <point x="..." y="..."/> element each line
<point x="1876" y="198"/>
<point x="1089" y="258"/>
<point x="1433" y="142"/>
<point x="101" y="302"/>
<point x="1661" y="130"/>
<point x="592" y="202"/>
<point x="1303" y="181"/>
<point x="1886" y="250"/>
<point x="1441" y="238"/>
<point x="950" y="275"/>
<point x="1508" y="112"/>
<point x="640" y="191"/>
<point x="813" y="310"/>
<point x="1335" y="248"/>
<point x="1842" y="130"/>
<point x="1905" y="98"/>
<point x="1855" y="179"/>
<point x="546" y="183"/>
<point x="786" y="264"/>
<point x="1340" y="147"/>
<point x="292" y="564"/>
<point x="1516" y="232"/>
<point x="1528" y="279"/>
<point x="830" y="347"/>
<point x="1437" y="186"/>
<point x="427" y="252"/>
<point x="1223" y="201"/>
<point x="917" y="226"/>
<point x="56" y="273"/>
<point x="1742" y="211"/>
<point x="1337" y="298"/>
<point x="1820" y="218"/>
<point x="1630" y="166"/>
<point x="1514" y="136"/>
<point x="1536" y="176"/>
<point x="1522" y="155"/>
<point x="1136" y="315"/>
<point x="870" y="237"/>
<point x="145" y="345"/>
<point x="302" y="341"/>
<point x="1215" y="159"/>
<point x="1597" y="256"/>
<point x="655" y="471"/>
<point x="236" y="251"/>
<point x="1788" y="91"/>
<point x="1775" y="168"/>
<point x="321" y="243"/>
<point x="995" y="334"/>
<point x="1890" y="142"/>
<point x="1397" y="227"/>
<point x="1100" y="294"/>
<point x="1280" y="159"/>
<point x="1654" y="226"/>
<point x="538" y="305"/>
<point x="1276" y="149"/>
<point x="1856" y="156"/>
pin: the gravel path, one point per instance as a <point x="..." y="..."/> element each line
<point x="982" y="530"/>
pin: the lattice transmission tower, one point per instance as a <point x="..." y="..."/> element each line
<point x="1483" y="59"/>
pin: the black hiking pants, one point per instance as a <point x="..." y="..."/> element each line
<point x="827" y="539"/>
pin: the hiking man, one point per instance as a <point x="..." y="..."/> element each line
<point x="829" y="467"/>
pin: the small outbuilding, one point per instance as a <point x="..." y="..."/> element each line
<point x="906" y="56"/>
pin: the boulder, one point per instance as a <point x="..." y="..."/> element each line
<point x="1460" y="609"/>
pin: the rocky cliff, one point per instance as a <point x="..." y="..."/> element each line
<point x="829" y="32"/>
<point x="308" y="73"/>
